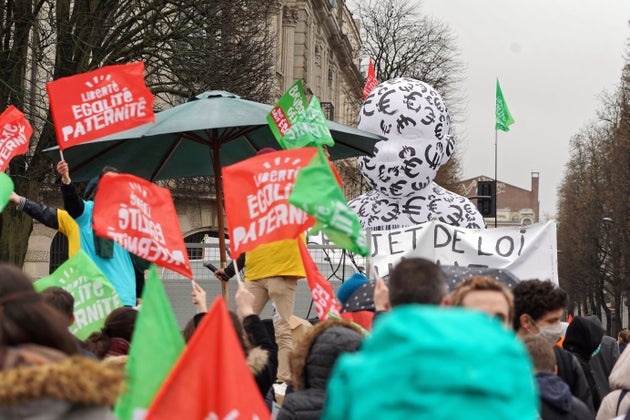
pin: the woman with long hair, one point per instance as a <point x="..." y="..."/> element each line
<point x="41" y="370"/>
<point x="115" y="337"/>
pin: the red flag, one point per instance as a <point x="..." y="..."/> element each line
<point x="570" y="318"/>
<point x="140" y="217"/>
<point x="321" y="290"/>
<point x="370" y="82"/>
<point x="90" y="105"/>
<point x="257" y="194"/>
<point x="15" y="133"/>
<point x="211" y="379"/>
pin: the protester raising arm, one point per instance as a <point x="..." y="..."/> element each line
<point x="114" y="261"/>
<point x="71" y="200"/>
<point x="44" y="214"/>
<point x="262" y="357"/>
<point x="199" y="298"/>
<point x="51" y="217"/>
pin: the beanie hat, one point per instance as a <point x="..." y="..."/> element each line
<point x="349" y="286"/>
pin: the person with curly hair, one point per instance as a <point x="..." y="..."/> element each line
<point x="538" y="307"/>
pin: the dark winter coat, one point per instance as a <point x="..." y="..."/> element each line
<point x="583" y="337"/>
<point x="556" y="400"/>
<point x="312" y="362"/>
<point x="262" y="359"/>
<point x="602" y="363"/>
<point x="41" y="383"/>
<point x="571" y="372"/>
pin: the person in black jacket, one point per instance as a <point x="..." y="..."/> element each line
<point x="311" y="363"/>
<point x="556" y="400"/>
<point x="583" y="339"/>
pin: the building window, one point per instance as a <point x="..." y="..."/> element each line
<point x="329" y="110"/>
<point x="58" y="251"/>
<point x="197" y="238"/>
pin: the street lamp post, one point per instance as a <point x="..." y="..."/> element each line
<point x="606" y="272"/>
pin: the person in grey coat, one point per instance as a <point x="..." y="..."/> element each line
<point x="311" y="363"/>
<point x="603" y="361"/>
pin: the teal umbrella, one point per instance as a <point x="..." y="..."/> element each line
<point x="197" y="138"/>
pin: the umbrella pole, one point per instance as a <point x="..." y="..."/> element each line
<point x="218" y="185"/>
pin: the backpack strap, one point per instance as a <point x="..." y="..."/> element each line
<point x="565" y="366"/>
<point x="621" y="396"/>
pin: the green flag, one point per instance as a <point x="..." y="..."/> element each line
<point x="310" y="129"/>
<point x="155" y="347"/>
<point x="286" y="112"/>
<point x="317" y="192"/>
<point x="94" y="296"/>
<point x="504" y="118"/>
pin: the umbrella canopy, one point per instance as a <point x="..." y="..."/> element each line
<point x="363" y="298"/>
<point x="197" y="138"/>
<point x="181" y="141"/>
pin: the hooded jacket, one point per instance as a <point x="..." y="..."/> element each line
<point x="619" y="379"/>
<point x="583" y="337"/>
<point x="311" y="364"/>
<point x="556" y="399"/>
<point x="44" y="384"/>
<point x="603" y="362"/>
<point x="434" y="363"/>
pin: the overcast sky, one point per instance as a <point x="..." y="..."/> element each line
<point x="553" y="59"/>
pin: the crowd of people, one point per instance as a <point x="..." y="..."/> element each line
<point x="480" y="350"/>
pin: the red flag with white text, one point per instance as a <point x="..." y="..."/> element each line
<point x="91" y="105"/>
<point x="210" y="380"/>
<point x="257" y="194"/>
<point x="140" y="216"/>
<point x="321" y="290"/>
<point x="15" y="133"/>
<point x="370" y="82"/>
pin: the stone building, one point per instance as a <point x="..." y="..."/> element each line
<point x="515" y="206"/>
<point x="318" y="42"/>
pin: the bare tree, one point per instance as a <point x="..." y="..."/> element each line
<point x="187" y="46"/>
<point x="403" y="42"/>
<point x="595" y="213"/>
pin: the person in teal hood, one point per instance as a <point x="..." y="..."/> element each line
<point x="427" y="362"/>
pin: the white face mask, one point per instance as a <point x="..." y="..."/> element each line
<point x="551" y="333"/>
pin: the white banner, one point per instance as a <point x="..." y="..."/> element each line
<point x="528" y="252"/>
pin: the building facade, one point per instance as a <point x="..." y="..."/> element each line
<point x="318" y="41"/>
<point x="515" y="206"/>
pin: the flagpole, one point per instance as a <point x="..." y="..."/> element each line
<point x="496" y="197"/>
